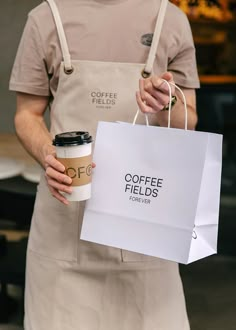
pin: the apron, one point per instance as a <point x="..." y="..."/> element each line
<point x="77" y="285"/>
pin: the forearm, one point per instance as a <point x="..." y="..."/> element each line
<point x="31" y="128"/>
<point x="33" y="134"/>
<point x="35" y="137"/>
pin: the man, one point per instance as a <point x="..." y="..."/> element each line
<point x="69" y="49"/>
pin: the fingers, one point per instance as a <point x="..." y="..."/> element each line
<point x="154" y="93"/>
<point x="142" y="104"/>
<point x="150" y="98"/>
<point x="161" y="86"/>
<point x="56" y="188"/>
<point x="151" y="94"/>
<point x="57" y="181"/>
<point x="50" y="160"/>
<point x="55" y="193"/>
<point x="167" y="76"/>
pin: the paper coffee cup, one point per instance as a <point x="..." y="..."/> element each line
<point x="74" y="151"/>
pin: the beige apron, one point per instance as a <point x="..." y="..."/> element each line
<point x="77" y="285"/>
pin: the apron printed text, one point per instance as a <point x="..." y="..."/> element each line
<point x="103" y="100"/>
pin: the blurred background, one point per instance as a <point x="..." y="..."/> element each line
<point x="209" y="284"/>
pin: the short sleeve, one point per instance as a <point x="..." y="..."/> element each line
<point x="29" y="73"/>
<point x="183" y="63"/>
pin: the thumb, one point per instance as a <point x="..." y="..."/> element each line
<point x="168" y="76"/>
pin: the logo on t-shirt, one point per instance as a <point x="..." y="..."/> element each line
<point x="146" y="39"/>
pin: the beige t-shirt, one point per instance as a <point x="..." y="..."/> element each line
<point x="102" y="30"/>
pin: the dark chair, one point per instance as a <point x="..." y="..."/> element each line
<point x="17" y="197"/>
<point x="17" y="202"/>
<point x="12" y="271"/>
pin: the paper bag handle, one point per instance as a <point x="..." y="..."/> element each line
<point x="169" y="114"/>
<point x="184" y="100"/>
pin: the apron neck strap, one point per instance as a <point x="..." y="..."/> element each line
<point x="153" y="49"/>
<point x="61" y="35"/>
<point x="156" y="37"/>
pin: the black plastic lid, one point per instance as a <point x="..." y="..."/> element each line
<point x="72" y="139"/>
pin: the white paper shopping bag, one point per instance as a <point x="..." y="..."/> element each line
<point x="155" y="191"/>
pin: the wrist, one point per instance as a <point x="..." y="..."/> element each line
<point x="173" y="102"/>
<point x="47" y="149"/>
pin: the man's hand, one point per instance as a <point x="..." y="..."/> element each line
<point x="56" y="178"/>
<point x="153" y="93"/>
<point x="35" y="137"/>
<point x="57" y="181"/>
<point x="153" y="96"/>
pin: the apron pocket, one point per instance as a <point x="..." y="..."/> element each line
<point x="128" y="256"/>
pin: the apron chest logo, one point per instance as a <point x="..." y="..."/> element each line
<point x="103" y="100"/>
